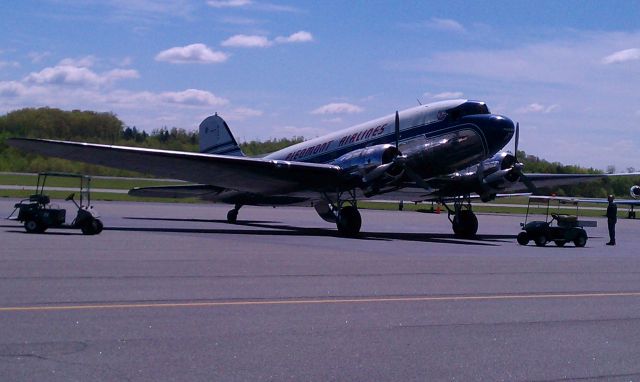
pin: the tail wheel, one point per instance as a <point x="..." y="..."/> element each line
<point x="540" y="240"/>
<point x="523" y="238"/>
<point x="232" y="216"/>
<point x="465" y="223"/>
<point x="349" y="221"/>
<point x="580" y="240"/>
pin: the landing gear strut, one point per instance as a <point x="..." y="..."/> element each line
<point x="348" y="219"/>
<point x="464" y="221"/>
<point x="232" y="215"/>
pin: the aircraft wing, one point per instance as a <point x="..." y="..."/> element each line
<point x="252" y="175"/>
<point x="620" y="202"/>
<point x="552" y="180"/>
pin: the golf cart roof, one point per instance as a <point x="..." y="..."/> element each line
<point x="64" y="174"/>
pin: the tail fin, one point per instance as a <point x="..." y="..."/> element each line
<point x="216" y="138"/>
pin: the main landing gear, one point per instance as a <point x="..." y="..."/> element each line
<point x="232" y="215"/>
<point x="346" y="216"/>
<point x="464" y="221"/>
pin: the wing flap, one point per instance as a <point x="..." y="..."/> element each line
<point x="235" y="173"/>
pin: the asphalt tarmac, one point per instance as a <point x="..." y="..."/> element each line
<point x="172" y="292"/>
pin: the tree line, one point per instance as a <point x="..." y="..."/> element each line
<point x="107" y="128"/>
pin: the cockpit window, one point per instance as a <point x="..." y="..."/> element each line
<point x="468" y="108"/>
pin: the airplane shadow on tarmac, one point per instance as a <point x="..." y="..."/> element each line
<point x="271" y="228"/>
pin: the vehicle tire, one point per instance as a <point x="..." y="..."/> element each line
<point x="560" y="243"/>
<point x="523" y="238"/>
<point x="33" y="226"/>
<point x="349" y="221"/>
<point x="232" y="216"/>
<point x="99" y="226"/>
<point x="465" y="224"/>
<point x="580" y="240"/>
<point x="91" y="227"/>
<point x="540" y="240"/>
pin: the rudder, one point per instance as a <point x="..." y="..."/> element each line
<point x="216" y="138"/>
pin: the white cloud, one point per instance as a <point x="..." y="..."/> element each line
<point x="301" y="36"/>
<point x="338" y="108"/>
<point x="622" y="56"/>
<point x="446" y="25"/>
<point x="537" y="108"/>
<point x="193" y="97"/>
<point x="228" y="3"/>
<point x="246" y="41"/>
<point x="78" y="76"/>
<point x="246" y="112"/>
<point x="445" y="95"/>
<point x="256" y="41"/>
<point x="82" y="62"/>
<point x="12" y="89"/>
<point x="13" y="64"/>
<point x="37" y="57"/>
<point x="194" y="53"/>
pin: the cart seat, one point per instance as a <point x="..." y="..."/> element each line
<point x="40" y="199"/>
<point x="566" y="220"/>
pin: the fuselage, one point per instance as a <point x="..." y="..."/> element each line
<point x="438" y="138"/>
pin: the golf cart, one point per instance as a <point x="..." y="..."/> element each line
<point x="38" y="214"/>
<point x="560" y="229"/>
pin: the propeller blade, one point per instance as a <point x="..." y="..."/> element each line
<point x="397" y="129"/>
<point x="517" y="140"/>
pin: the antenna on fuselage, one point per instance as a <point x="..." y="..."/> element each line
<point x="419" y="103"/>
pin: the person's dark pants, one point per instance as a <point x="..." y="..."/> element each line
<point x="612" y="231"/>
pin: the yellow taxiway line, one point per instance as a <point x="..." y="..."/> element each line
<point x="205" y="304"/>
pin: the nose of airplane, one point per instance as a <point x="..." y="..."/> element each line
<point x="498" y="131"/>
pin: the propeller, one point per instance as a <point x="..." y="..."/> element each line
<point x="397" y="129"/>
<point x="518" y="166"/>
<point x="401" y="160"/>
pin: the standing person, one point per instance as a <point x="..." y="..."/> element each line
<point x="612" y="218"/>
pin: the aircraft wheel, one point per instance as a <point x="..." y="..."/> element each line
<point x="540" y="240"/>
<point x="580" y="240"/>
<point x="560" y="243"/>
<point x="33" y="226"/>
<point x="232" y="216"/>
<point x="349" y="221"/>
<point x="465" y="224"/>
<point x="523" y="238"/>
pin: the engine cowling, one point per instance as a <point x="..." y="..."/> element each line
<point x="371" y="163"/>
<point x="635" y="192"/>
<point x="496" y="173"/>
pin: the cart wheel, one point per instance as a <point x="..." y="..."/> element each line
<point x="540" y="240"/>
<point x="33" y="226"/>
<point x="523" y="238"/>
<point x="91" y="227"/>
<point x="560" y="243"/>
<point x="580" y="240"/>
<point x="99" y="226"/>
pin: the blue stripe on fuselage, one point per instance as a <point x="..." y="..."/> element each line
<point x="428" y="130"/>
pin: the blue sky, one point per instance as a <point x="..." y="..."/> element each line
<point x="568" y="71"/>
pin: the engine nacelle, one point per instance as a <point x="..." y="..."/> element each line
<point x="371" y="163"/>
<point x="635" y="192"/>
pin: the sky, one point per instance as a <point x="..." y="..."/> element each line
<point x="567" y="71"/>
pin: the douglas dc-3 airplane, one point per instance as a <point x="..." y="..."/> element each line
<point x="447" y="151"/>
